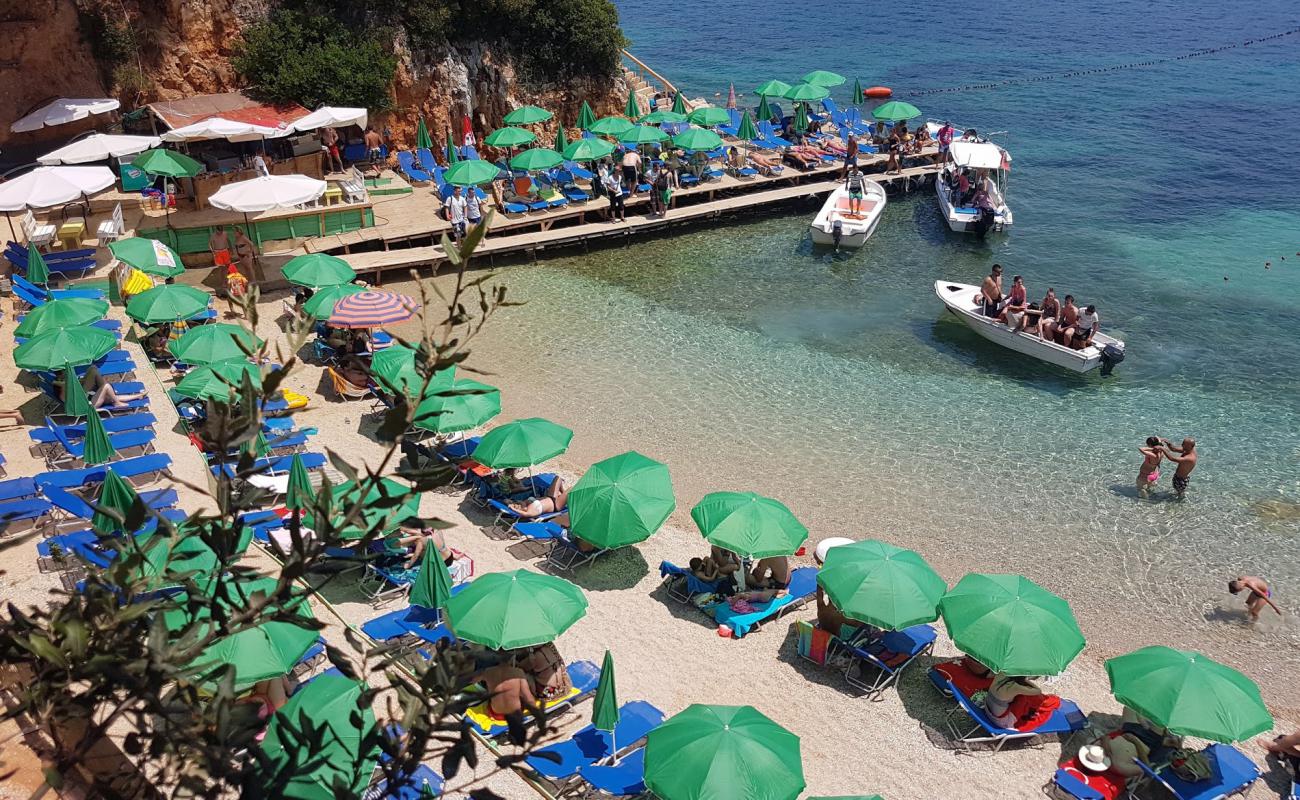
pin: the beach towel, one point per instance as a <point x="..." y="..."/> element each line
<point x="483" y="718"/>
<point x="811" y="642"/>
<point x="1032" y="710"/>
<point x="966" y="681"/>
<point x="803" y="582"/>
<point x="1109" y="784"/>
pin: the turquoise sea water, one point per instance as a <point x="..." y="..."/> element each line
<point x="747" y="359"/>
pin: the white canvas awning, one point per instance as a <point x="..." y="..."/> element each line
<point x="64" y="110"/>
<point x="219" y="128"/>
<point x="980" y="155"/>
<point x="267" y="192"/>
<point x="99" y="147"/>
<point x="332" y="117"/>
<point x="52" y="186"/>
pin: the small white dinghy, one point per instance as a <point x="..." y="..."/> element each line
<point x="1105" y="351"/>
<point x="853" y="228"/>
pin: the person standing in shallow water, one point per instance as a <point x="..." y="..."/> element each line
<point x="1184" y="456"/>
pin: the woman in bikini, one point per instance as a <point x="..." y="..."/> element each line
<point x="555" y="499"/>
<point x="1149" y="472"/>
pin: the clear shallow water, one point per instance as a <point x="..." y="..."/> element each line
<point x="747" y="359"/>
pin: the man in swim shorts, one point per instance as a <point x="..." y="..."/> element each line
<point x="990" y="296"/>
<point x="856" y="185"/>
<point x="850" y="155"/>
<point x="1260" y="594"/>
<point x="1185" y="457"/>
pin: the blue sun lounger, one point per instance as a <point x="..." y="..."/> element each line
<point x="1066" y="720"/>
<point x="427" y="162"/>
<point x="274" y="466"/>
<point x="583" y="675"/>
<point x="31" y="510"/>
<point x="422" y="782"/>
<point x="138" y="467"/>
<point x="624" y="779"/>
<point x="413" y="621"/>
<point x="51" y="432"/>
<point x="561" y="761"/>
<point x="74" y="507"/>
<point x="867" y="657"/>
<point x="18" y="488"/>
<point x="406" y="163"/>
<point x="803" y="585"/>
<point x="682" y="584"/>
<point x="69" y="451"/>
<point x="85" y="543"/>
<point x="1231" y="772"/>
<point x="42" y="294"/>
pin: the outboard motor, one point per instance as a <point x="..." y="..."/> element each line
<point x="837" y="232"/>
<point x="982" y="225"/>
<point x="1111" y="355"/>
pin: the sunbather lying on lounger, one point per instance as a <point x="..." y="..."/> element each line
<point x="1002" y="692"/>
<point x="508" y="688"/>
<point x="832" y="146"/>
<point x="764" y="164"/>
<point x="555" y="499"/>
<point x="100" y="390"/>
<point x="414" y="534"/>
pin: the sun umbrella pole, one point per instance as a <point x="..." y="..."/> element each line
<point x="10" y="220"/>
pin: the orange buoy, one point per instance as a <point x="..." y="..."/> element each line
<point x="879" y="91"/>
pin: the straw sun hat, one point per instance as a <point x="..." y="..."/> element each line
<point x="826" y="544"/>
<point x="1094" y="758"/>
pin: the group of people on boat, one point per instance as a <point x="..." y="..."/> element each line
<point x="970" y="188"/>
<point x="1052" y="320"/>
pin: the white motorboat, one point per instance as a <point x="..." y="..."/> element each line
<point x="960" y="298"/>
<point x="839" y="225"/>
<point x="985" y="165"/>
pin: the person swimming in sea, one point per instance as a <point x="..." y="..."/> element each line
<point x="1260" y="594"/>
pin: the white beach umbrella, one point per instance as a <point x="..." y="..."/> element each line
<point x="267" y="192"/>
<point x="333" y="117"/>
<point x="64" y="110"/>
<point x="51" y="186"/>
<point x="99" y="147"/>
<point x="221" y="128"/>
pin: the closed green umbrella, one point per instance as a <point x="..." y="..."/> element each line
<point x="37" y="272"/>
<point x="432" y="585"/>
<point x="1190" y="694"/>
<point x="459" y="406"/>
<point x="300" y="494"/>
<point x="452" y="156"/>
<point x="660" y="117"/>
<point x="314" y="769"/>
<point x="561" y="141"/>
<point x="65" y="347"/>
<point x="881" y="585"/>
<point x="587" y="150"/>
<point x="610" y="126"/>
<point x="806" y="93"/>
<point x="422" y="137"/>
<point x="621" y="500"/>
<point x="209" y="344"/>
<point x="895" y="111"/>
<point x="633" y="108"/>
<point x="821" y="77"/>
<point x="510" y="137"/>
<point x="764" y="112"/>
<point x="773" y="88"/>
<point x="586" y="117"/>
<point x="378" y="511"/>
<point x="58" y="314"/>
<point x="679" y="104"/>
<point x="167" y="303"/>
<point x="747" y="129"/>
<point x="76" y="404"/>
<point x="536" y="158"/>
<point x="115" y="494"/>
<point x="217" y="381"/>
<point x="527" y="115"/>
<point x="859" y="97"/>
<point x="97" y="448"/>
<point x="749" y="524"/>
<point x="697" y="139"/>
<point x="321" y="304"/>
<point x="509" y="610"/>
<point x="1011" y="624"/>
<point x="394" y="368"/>
<point x="148" y="255"/>
<point x="801" y="118"/>
<point x="168" y="163"/>
<point x="522" y="443"/>
<point x="257" y="447"/>
<point x="318" y="270"/>
<point x="722" y="753"/>
<point x="471" y="172"/>
<point x="642" y="134"/>
<point x="604" y="704"/>
<point x="708" y="116"/>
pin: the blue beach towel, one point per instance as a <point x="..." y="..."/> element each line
<point x="803" y="583"/>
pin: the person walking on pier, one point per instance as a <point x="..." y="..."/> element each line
<point x="850" y="157"/>
<point x="614" y="188"/>
<point x="456" y="210"/>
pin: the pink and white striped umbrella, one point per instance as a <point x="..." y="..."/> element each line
<point x="372" y="310"/>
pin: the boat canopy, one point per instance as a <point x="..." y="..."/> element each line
<point x="980" y="155"/>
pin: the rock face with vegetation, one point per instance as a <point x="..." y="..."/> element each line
<point x="439" y="58"/>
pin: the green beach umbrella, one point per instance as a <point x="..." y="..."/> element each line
<point x="208" y="344"/>
<point x="522" y="443"/>
<point x="633" y="108"/>
<point x="587" y="150"/>
<point x="621" y="500"/>
<point x="432" y="585"/>
<point x="660" y="117"/>
<point x="722" y="753"/>
<point x="895" y="111"/>
<point x="679" y="104"/>
<point x="643" y="134"/>
<point x="452" y="156"/>
<point x="318" y="270"/>
<point x="1011" y="624"/>
<point x="471" y="172"/>
<point x="881" y="585"/>
<point x="1190" y="694"/>
<point x="37" y="272"/>
<point x="748" y="524"/>
<point x="510" y="137"/>
<point x="115" y="494"/>
<point x="801" y="118"/>
<point x="314" y="769"/>
<point x="58" y="314"/>
<point x="459" y="406"/>
<point x="162" y="554"/>
<point x="747" y="129"/>
<point x="300" y="494"/>
<point x="764" y="112"/>
<point x="256" y="447"/>
<point x="604" y="705"/>
<point x="527" y="115"/>
<point x="561" y="141"/>
<point x="536" y="158"/>
<point x="610" y="126"/>
<point x="821" y="77"/>
<point x="586" y="117"/>
<point x="64" y="347"/>
<point x="708" y="116"/>
<point x="394" y="367"/>
<point x="509" y="610"/>
<point x="773" y="88"/>
<point x="377" y="510"/>
<point x="148" y="255"/>
<point x="75" y="402"/>
<point x="321" y="304"/>
<point x="858" y="96"/>
<point x="217" y="381"/>
<point x="167" y="303"/>
<point x="806" y="93"/>
<point x="697" y="139"/>
<point x="168" y="163"/>
<point x="422" y="137"/>
<point x="97" y="448"/>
